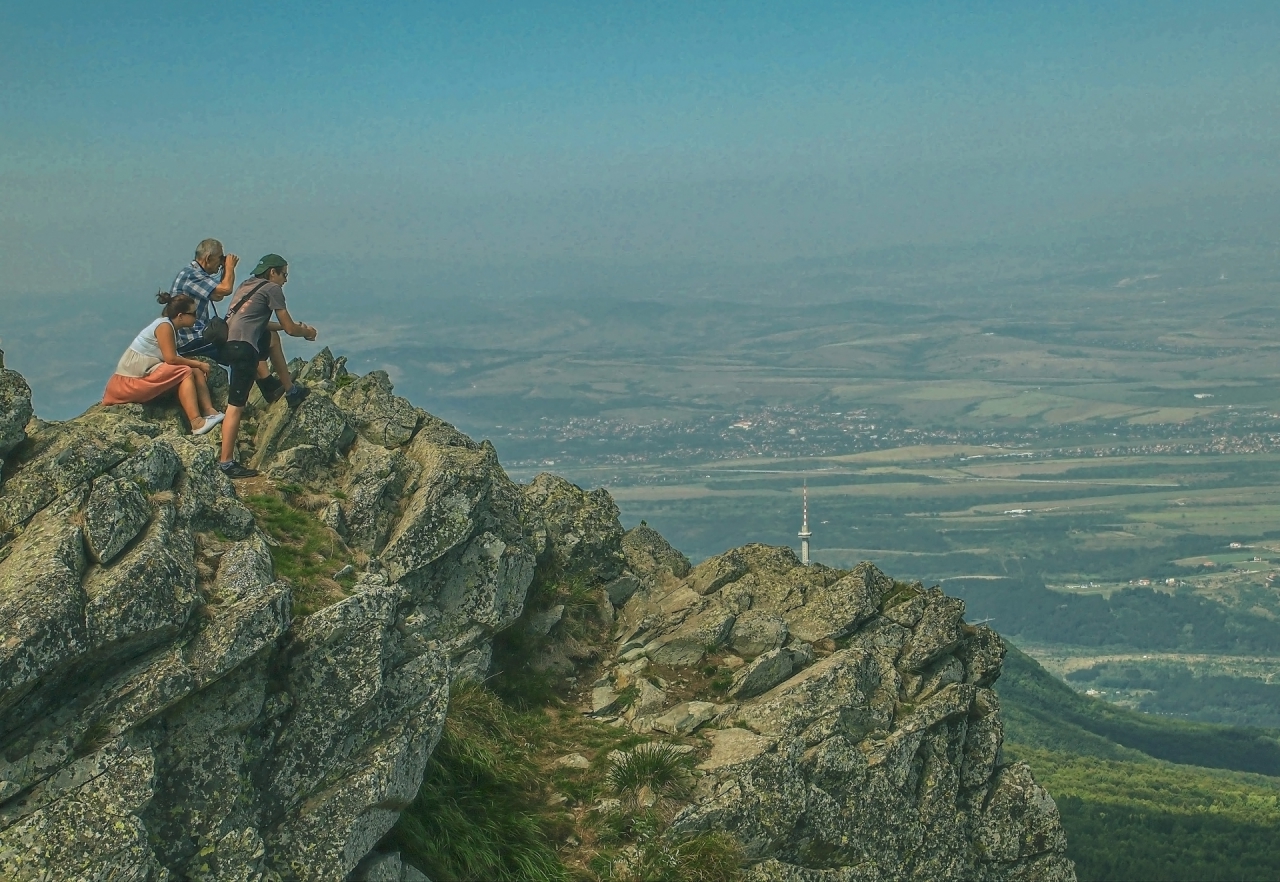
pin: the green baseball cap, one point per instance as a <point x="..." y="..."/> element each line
<point x="269" y="261"/>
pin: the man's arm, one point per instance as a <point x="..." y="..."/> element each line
<point x="292" y="328"/>
<point x="228" y="283"/>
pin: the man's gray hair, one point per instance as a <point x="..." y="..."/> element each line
<point x="208" y="248"/>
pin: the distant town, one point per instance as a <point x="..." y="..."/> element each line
<point x="791" y="431"/>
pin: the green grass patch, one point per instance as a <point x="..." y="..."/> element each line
<point x="480" y="813"/>
<point x="305" y="552"/>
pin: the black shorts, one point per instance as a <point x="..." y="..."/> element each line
<point x="241" y="359"/>
<point x="201" y="348"/>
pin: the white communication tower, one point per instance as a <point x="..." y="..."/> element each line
<point x="804" y="527"/>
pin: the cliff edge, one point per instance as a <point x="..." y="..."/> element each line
<point x="183" y="697"/>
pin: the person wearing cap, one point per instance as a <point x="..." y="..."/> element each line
<point x="249" y="330"/>
<point x="207" y="280"/>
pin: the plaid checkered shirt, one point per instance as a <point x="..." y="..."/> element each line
<point x="194" y="282"/>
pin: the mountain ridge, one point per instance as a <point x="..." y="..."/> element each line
<point x="171" y="707"/>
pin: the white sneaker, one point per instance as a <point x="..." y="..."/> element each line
<point x="209" y="423"/>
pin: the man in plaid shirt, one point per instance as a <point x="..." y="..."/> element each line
<point x="197" y="281"/>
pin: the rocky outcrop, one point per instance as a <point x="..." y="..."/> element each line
<point x="858" y="738"/>
<point x="163" y="712"/>
<point x="15" y="409"/>
<point x="170" y="710"/>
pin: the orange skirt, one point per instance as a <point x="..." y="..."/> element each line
<point x="137" y="390"/>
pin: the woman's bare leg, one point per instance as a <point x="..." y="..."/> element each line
<point x="202" y="394"/>
<point x="190" y="402"/>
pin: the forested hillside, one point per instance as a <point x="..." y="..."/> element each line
<point x="1144" y="797"/>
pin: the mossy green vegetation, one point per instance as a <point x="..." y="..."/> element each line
<point x="479" y="813"/>
<point x="495" y="803"/>
<point x="304" y="551"/>
<point x="1141" y="796"/>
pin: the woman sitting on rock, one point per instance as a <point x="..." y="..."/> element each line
<point x="151" y="366"/>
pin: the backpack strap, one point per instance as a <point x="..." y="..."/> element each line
<point x="241" y="302"/>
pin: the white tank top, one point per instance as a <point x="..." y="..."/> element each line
<point x="145" y="343"/>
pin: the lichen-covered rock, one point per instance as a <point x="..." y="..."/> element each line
<point x="116" y="512"/>
<point x="153" y="468"/>
<point x="756" y="631"/>
<point x="651" y="557"/>
<point x="15" y="409"/>
<point x="378" y="415"/>
<point x="316" y="422"/>
<point x="161" y="718"/>
<point x="584" y="535"/>
<point x="879" y="759"/>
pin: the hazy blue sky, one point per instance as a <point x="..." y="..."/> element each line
<point x="413" y="149"/>
<point x="476" y="133"/>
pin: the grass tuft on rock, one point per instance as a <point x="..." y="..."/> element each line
<point x="304" y="551"/>
<point x="478" y="813"/>
<point x="652" y="855"/>
<point x="657" y="768"/>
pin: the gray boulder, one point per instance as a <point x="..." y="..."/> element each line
<point x="379" y="416"/>
<point x="116" y="512"/>
<point x="584" y="535"/>
<point x="878" y="757"/>
<point x="15" y="409"/>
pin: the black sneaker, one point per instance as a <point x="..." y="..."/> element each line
<point x="297" y="392"/>
<point x="233" y="469"/>
<point x="271" y="389"/>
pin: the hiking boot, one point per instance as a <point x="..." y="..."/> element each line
<point x="271" y="389"/>
<point x="233" y="469"/>
<point x="296" y="393"/>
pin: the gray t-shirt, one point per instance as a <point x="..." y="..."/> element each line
<point x="249" y="321"/>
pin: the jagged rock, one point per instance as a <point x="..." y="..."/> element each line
<point x="651" y="558"/>
<point x="244" y="568"/>
<point x="378" y="415"/>
<point x="116" y="512"/>
<point x="881" y="760"/>
<point x="160" y="720"/>
<point x="756" y="631"/>
<point x="649" y="700"/>
<point x="767" y="671"/>
<point x="320" y="368"/>
<point x="836" y="609"/>
<point x="153" y="468"/>
<point x="685" y="717"/>
<point x="15" y="409"/>
<point x="69" y="456"/>
<point x="619" y="591"/>
<point x="206" y="498"/>
<point x="303" y="464"/>
<point x="938" y="631"/>
<point x="316" y="422"/>
<point x="584" y="536"/>
<point x="690" y="642"/>
<point x="1020" y="820"/>
<point x="142" y="739"/>
<point x="713" y="574"/>
<point x="603" y="699"/>
<point x="541" y="622"/>
<point x="331" y="516"/>
<point x="374" y="489"/>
